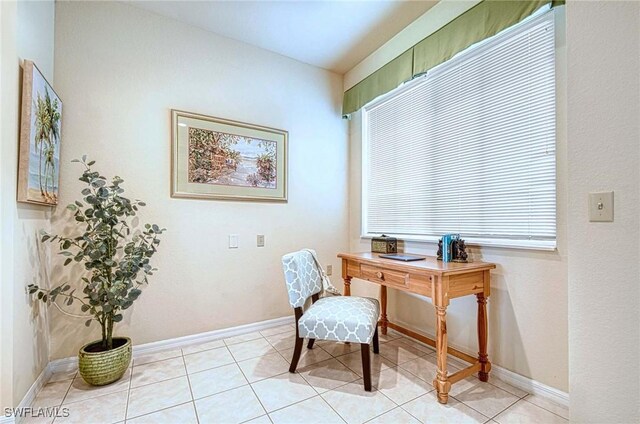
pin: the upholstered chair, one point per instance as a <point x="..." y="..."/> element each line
<point x="337" y="318"/>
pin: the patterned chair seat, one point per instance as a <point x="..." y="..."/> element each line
<point x="341" y="318"/>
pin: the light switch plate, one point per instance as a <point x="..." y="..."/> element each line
<point x="260" y="240"/>
<point x="329" y="269"/>
<point x="233" y="241"/>
<point x="601" y="206"/>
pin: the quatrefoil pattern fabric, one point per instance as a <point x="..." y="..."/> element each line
<point x="342" y="319"/>
<point x="301" y="276"/>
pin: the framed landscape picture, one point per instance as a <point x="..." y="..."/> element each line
<point x="40" y="125"/>
<point x="215" y="158"/>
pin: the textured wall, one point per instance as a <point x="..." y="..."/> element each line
<point x="603" y="96"/>
<point x="27" y="33"/>
<point x="120" y="70"/>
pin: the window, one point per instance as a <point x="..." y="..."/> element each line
<point x="470" y="147"/>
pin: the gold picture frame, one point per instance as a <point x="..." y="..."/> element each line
<point x="215" y="158"/>
<point x="40" y="129"/>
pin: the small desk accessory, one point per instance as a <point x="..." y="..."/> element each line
<point x="403" y="257"/>
<point x="384" y="244"/>
<point x="455" y="250"/>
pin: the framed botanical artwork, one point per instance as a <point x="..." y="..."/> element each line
<point x="40" y="125"/>
<point x="214" y="158"/>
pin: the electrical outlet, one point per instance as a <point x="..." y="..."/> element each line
<point x="233" y="241"/>
<point x="601" y="207"/>
<point x="260" y="240"/>
<point x="329" y="269"/>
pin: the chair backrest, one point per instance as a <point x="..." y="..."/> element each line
<point x="302" y="277"/>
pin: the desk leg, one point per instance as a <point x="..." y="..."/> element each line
<point x="347" y="286"/>
<point x="485" y="365"/>
<point x="383" y="309"/>
<point x="441" y="383"/>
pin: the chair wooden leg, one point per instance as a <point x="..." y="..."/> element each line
<point x="366" y="366"/>
<point x="376" y="345"/>
<point x="296" y="354"/>
<point x="310" y="344"/>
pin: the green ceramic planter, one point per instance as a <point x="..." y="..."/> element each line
<point x="101" y="368"/>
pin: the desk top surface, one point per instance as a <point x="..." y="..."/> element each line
<point x="430" y="264"/>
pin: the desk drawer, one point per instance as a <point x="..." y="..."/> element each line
<point x="384" y="276"/>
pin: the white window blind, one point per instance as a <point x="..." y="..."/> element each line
<point x="469" y="148"/>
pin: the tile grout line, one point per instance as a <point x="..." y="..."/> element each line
<point x="361" y="377"/>
<point x="305" y="380"/>
<point x="259" y="401"/>
<point x="340" y="385"/>
<point x="250" y="386"/>
<point x="291" y="404"/>
<point x="181" y="349"/>
<point x="499" y="388"/>
<point x="126" y="408"/>
<point x="193" y="400"/>
<point x="489" y="417"/>
<point x="331" y="356"/>
<point x="332" y="408"/>
<point x="158" y="381"/>
<point x="275" y="334"/>
<point x="495" y="415"/>
<point x="66" y="393"/>
<point x="410" y="414"/>
<point x="63" y="398"/>
<point x="153" y="412"/>
<point x="377" y="390"/>
<point x="157" y="360"/>
<point x="541" y="407"/>
<point x="251" y="419"/>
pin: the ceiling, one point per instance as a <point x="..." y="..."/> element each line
<point x="334" y="35"/>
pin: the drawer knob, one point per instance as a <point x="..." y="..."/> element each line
<point x="380" y="275"/>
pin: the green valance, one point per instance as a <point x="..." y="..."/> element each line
<point x="482" y="21"/>
<point x="381" y="81"/>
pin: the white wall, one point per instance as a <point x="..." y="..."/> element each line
<point x="528" y="304"/>
<point x="119" y="71"/>
<point x="429" y="22"/>
<point x="27" y="33"/>
<point x="7" y="87"/>
<point x="603" y="58"/>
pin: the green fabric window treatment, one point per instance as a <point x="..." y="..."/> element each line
<point x="382" y="81"/>
<point x="482" y="21"/>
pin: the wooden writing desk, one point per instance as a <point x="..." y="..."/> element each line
<point x="439" y="281"/>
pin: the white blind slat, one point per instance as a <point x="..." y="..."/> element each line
<point x="470" y="148"/>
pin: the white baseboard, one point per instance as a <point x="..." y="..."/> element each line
<point x="7" y="420"/>
<point x="30" y="395"/>
<point x="68" y="364"/>
<point x="516" y="380"/>
<point x="531" y="386"/>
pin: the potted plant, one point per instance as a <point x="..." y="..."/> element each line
<point x="116" y="257"/>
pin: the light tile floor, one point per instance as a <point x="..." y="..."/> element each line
<point x="246" y="379"/>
